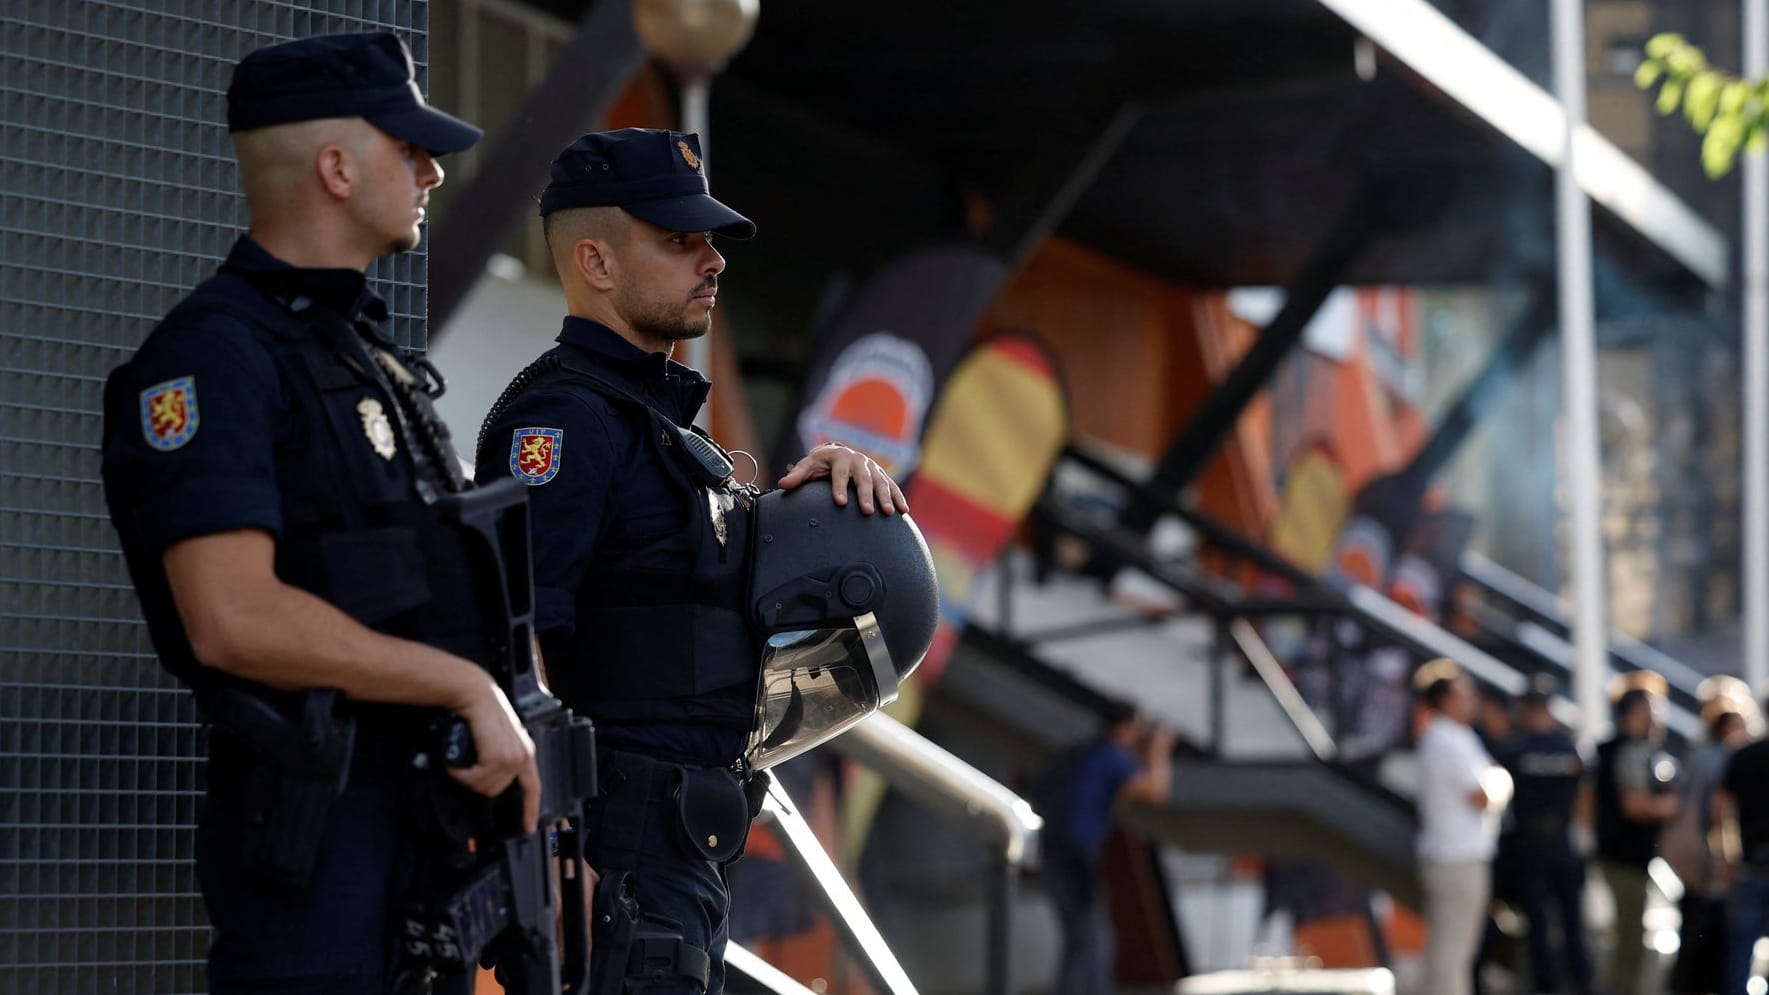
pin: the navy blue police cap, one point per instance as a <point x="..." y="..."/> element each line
<point x="653" y="175"/>
<point x="370" y="76"/>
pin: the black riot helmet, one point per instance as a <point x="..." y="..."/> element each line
<point x="846" y="605"/>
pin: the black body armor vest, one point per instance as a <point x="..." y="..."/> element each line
<point x="651" y="646"/>
<point x="360" y="526"/>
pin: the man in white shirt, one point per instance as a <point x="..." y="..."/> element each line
<point x="1461" y="796"/>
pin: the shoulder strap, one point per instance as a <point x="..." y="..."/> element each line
<point x="424" y="434"/>
<point x="550" y="363"/>
<point x="206" y="299"/>
<point x="528" y="375"/>
<point x="696" y="459"/>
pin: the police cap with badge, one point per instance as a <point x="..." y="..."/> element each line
<point x="370" y="76"/>
<point x="654" y="175"/>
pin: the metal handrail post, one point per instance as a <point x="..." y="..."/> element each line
<point x="838" y="900"/>
<point x="999" y="926"/>
<point x="1283" y="690"/>
<point x="940" y="780"/>
<point x="741" y="960"/>
<point x="934" y="777"/>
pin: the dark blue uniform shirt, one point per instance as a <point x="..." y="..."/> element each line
<point x="203" y="434"/>
<point x="603" y="503"/>
<point x="1546" y="770"/>
<point x="213" y="464"/>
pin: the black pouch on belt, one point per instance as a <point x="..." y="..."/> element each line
<point x="299" y="771"/>
<point x="712" y="813"/>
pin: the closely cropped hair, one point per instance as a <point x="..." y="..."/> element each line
<point x="573" y="223"/>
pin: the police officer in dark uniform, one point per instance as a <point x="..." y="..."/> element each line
<point x="640" y="544"/>
<point x="1547" y="770"/>
<point x="272" y="470"/>
<point x="1634" y="795"/>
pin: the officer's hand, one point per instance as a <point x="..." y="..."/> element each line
<point x="505" y="754"/>
<point x="842" y="464"/>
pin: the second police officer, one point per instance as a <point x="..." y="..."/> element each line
<point x="641" y="543"/>
<point x="1548" y="772"/>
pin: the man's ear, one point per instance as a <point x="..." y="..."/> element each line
<point x="593" y="263"/>
<point x="337" y="173"/>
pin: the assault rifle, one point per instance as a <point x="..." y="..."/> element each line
<point x="489" y="893"/>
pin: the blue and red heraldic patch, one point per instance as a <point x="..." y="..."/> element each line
<point x="169" y="413"/>
<point x="534" y="454"/>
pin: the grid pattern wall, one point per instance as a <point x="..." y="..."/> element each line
<point x="117" y="194"/>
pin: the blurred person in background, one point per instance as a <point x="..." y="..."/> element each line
<point x="1129" y="761"/>
<point x="1461" y="796"/>
<point x="1635" y="795"/>
<point x="1687" y="842"/>
<point x="1493" y="724"/>
<point x="1741" y="819"/>
<point x="1498" y="736"/>
<point x="1547" y="770"/>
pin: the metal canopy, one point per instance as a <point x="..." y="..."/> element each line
<point x="1255" y="131"/>
<point x="1431" y="45"/>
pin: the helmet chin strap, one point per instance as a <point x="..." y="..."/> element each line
<point x="789" y="723"/>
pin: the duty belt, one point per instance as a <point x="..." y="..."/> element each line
<point x="707" y="809"/>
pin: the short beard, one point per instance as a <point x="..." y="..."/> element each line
<point x="661" y="322"/>
<point x="680" y="331"/>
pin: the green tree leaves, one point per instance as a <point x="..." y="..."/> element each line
<point x="1726" y="110"/>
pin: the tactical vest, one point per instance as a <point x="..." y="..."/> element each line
<point x="361" y="460"/>
<point x="650" y="649"/>
<point x="1546" y="770"/>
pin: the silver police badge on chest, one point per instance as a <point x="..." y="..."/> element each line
<point x="376" y="426"/>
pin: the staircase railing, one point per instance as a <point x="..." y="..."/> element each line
<point x="954" y="790"/>
<point x="968" y="798"/>
<point x="1540" y="634"/>
<point x="1544" y="613"/>
<point x="740" y="960"/>
<point x="1283" y="690"/>
<point x="832" y="892"/>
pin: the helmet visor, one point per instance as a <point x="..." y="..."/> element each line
<point x="816" y="683"/>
